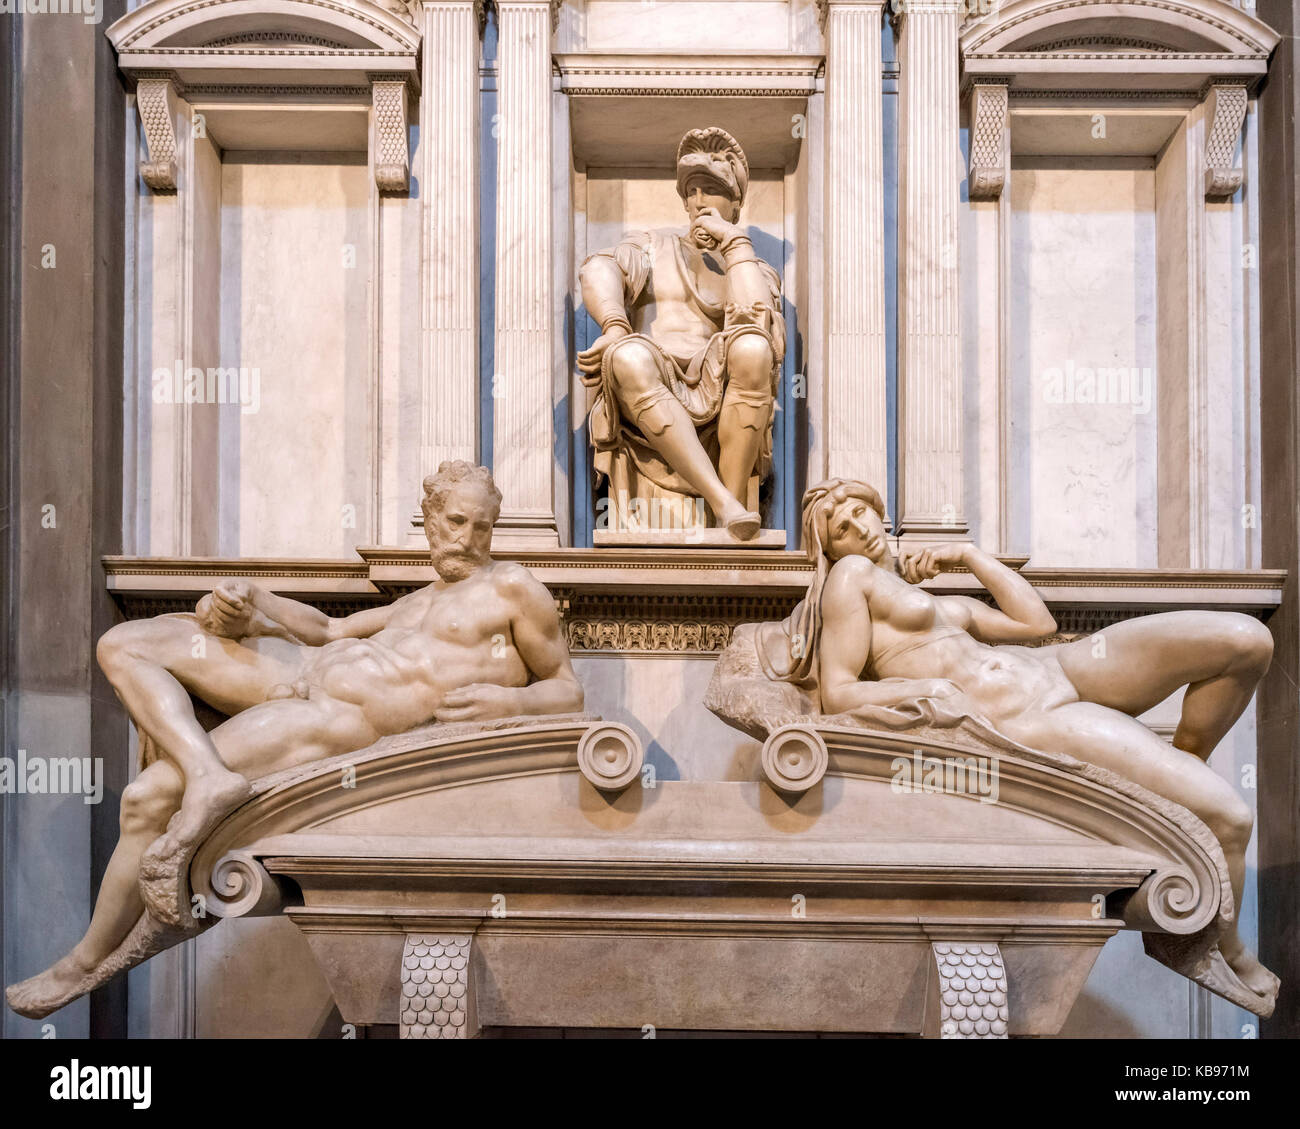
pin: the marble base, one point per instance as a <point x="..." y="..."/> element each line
<point x="690" y="538"/>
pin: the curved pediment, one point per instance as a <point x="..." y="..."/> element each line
<point x="1152" y="44"/>
<point x="244" y="39"/>
<point x="1128" y="26"/>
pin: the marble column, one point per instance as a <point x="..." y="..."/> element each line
<point x="523" y="416"/>
<point x="855" y="245"/>
<point x="449" y="180"/>
<point x="931" y="489"/>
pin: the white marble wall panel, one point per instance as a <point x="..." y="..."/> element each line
<point x="295" y="285"/>
<point x="1083" y="349"/>
<point x="661" y="699"/>
<point x="688" y="25"/>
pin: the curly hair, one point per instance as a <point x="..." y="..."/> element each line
<point x="450" y="475"/>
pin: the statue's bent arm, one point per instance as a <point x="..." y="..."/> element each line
<point x="604" y="287"/>
<point x="541" y="644"/>
<point x="314" y="627"/>
<point x="1020" y="617"/>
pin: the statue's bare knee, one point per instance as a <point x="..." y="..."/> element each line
<point x="1250" y="645"/>
<point x="634" y="370"/>
<point x="749" y="362"/>
<point x="150" y="800"/>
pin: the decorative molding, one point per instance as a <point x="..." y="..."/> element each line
<point x="987" y="172"/>
<point x="391" y="156"/>
<point x="153" y="102"/>
<point x="666" y="75"/>
<point x="1169" y="45"/>
<point x="437" y="987"/>
<point x="288" y="42"/>
<point x="1217" y="20"/>
<point x="1226" y="111"/>
<point x="971" y="991"/>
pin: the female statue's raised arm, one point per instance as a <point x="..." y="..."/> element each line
<point x="1020" y="617"/>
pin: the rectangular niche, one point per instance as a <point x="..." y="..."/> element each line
<point x="623" y="177"/>
<point x="1083" y="352"/>
<point x="295" y="295"/>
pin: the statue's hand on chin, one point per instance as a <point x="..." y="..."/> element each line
<point x="710" y="230"/>
<point x="480" y="701"/>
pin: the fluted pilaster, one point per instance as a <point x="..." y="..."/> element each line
<point x="931" y="491"/>
<point x="449" y="190"/>
<point x="854" y="242"/>
<point x="523" y="430"/>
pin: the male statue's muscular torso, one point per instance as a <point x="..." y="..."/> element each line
<point x="669" y="312"/>
<point x="436" y="641"/>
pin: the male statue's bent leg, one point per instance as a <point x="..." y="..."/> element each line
<point x="669" y="429"/>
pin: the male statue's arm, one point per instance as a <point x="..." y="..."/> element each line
<point x="240" y="610"/>
<point x="747" y="286"/>
<point x="602" y="292"/>
<point x="544" y="649"/>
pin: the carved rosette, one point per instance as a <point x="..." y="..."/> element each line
<point x="794" y="759"/>
<point x="610" y="756"/>
<point x="437" y="992"/>
<point x="987" y="172"/>
<point x="391" y="156"/>
<point x="972" y="991"/>
<point x="153" y="102"/>
<point x="1225" y="113"/>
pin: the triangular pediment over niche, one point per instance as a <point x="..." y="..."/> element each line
<point x="246" y="41"/>
<point x="1151" y="44"/>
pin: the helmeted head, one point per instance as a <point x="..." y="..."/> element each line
<point x="461" y="503"/>
<point x="712" y="172"/>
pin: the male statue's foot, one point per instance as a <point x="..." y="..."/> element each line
<point x="207" y="801"/>
<point x="1247" y="968"/>
<point x="163" y="866"/>
<point x="48" y="991"/>
<point x="741" y="523"/>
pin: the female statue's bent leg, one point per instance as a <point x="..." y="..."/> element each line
<point x="1103" y="736"/>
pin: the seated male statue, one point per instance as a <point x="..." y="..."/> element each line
<point x="480" y="643"/>
<point x="876" y="648"/>
<point x="692" y="338"/>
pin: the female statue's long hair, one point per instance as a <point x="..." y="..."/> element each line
<point x="804" y="627"/>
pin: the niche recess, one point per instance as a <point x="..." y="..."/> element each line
<point x="268" y="130"/>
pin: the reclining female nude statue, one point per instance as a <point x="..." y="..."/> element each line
<point x="876" y="650"/>
<point x="481" y="643"/>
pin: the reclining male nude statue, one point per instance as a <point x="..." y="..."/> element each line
<point x="483" y="642"/>
<point x="890" y="655"/>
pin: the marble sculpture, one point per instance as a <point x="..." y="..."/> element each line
<point x="867" y="647"/>
<point x="481" y="643"/>
<point x="692" y="337"/>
